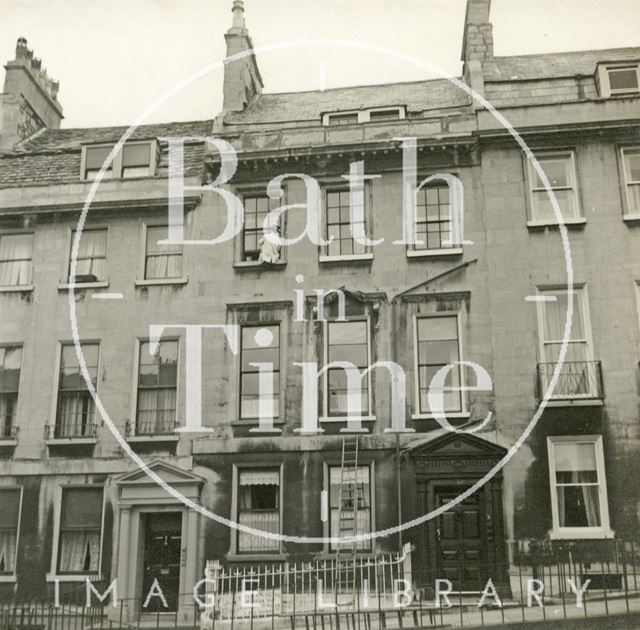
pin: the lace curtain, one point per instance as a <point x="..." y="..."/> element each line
<point x="15" y="260"/>
<point x="264" y="521"/>
<point x="156" y="411"/>
<point x="79" y="551"/>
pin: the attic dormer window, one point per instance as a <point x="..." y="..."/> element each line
<point x="135" y="159"/>
<point x="338" y="120"/>
<point x="618" y="79"/>
<point x="378" y="114"/>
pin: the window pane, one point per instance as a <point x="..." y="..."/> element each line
<point x="10" y="362"/>
<point x="556" y="169"/>
<point x="81" y="508"/>
<point x="347" y="333"/>
<point x="578" y="506"/>
<point x="10" y="502"/>
<point x="95" y="157"/>
<point x="160" y="233"/>
<point x="556" y="314"/>
<point x="623" y="79"/>
<point x="574" y="456"/>
<point x="633" y="165"/>
<point x="135" y="155"/>
<point x="70" y="375"/>
<point x="437" y="328"/>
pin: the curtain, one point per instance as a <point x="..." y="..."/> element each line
<point x="591" y="505"/>
<point x="15" y="254"/>
<point x="156" y="411"/>
<point x="7" y="550"/>
<point x="164" y="266"/>
<point x="264" y="521"/>
<point x="75" y="414"/>
<point x="91" y="253"/>
<point x="79" y="551"/>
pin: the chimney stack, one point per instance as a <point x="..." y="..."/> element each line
<point x="29" y="99"/>
<point x="242" y="80"/>
<point x="477" y="44"/>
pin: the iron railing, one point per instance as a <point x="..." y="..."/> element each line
<point x="577" y="380"/>
<point x="149" y="426"/>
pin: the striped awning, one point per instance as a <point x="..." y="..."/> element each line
<point x="259" y="478"/>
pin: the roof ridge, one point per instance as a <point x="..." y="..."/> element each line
<point x="566" y="52"/>
<point x="355" y="87"/>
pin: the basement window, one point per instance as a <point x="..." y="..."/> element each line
<point x="135" y="159"/>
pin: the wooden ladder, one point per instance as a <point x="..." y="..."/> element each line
<point x="351" y="496"/>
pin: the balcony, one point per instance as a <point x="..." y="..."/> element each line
<point x="579" y="383"/>
<point x="72" y="428"/>
<point x="153" y="427"/>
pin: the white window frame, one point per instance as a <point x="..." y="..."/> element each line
<point x="53" y="414"/>
<point x="581" y="293"/>
<point x="235" y="506"/>
<point x="12" y="577"/>
<point x="604" y="83"/>
<point x="342" y="186"/>
<point x="142" y="259"/>
<point x="13" y="439"/>
<point x="133" y="437"/>
<point x="364" y="115"/>
<point x="541" y="156"/>
<point x="100" y="284"/>
<point x="629" y="211"/>
<point x="53" y="574"/>
<point x="325" y="497"/>
<point x="20" y="287"/>
<point x="604" y="530"/>
<point x="257" y="325"/>
<point x="116" y="164"/>
<point x="325" y="375"/>
<point x="464" y="411"/>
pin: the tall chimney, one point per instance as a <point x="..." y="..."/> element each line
<point x="29" y="99"/>
<point x="477" y="44"/>
<point x="242" y="80"/>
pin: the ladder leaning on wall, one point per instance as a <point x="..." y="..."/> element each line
<point x="351" y="496"/>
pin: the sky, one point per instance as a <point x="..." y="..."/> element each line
<point x="115" y="58"/>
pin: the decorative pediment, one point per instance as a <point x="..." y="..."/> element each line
<point x="457" y="446"/>
<point x="440" y="285"/>
<point x="170" y="474"/>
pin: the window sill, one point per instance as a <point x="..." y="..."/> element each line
<point x="430" y="253"/>
<point x="351" y="258"/>
<point x="161" y="281"/>
<point x="581" y="533"/>
<point x="631" y="218"/>
<point x="449" y="415"/>
<point x="8" y="442"/>
<point x="255" y="265"/>
<point x="576" y="402"/>
<point x="8" y="579"/>
<point x="70" y="441"/>
<point x="75" y="577"/>
<point x="65" y="286"/>
<point x="22" y="288"/>
<point x="153" y="438"/>
<point x="581" y="221"/>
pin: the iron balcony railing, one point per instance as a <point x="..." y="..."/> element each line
<point x="577" y="380"/>
<point x="74" y="427"/>
<point x="150" y="425"/>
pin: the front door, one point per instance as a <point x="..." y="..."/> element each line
<point x="162" y="544"/>
<point x="460" y="552"/>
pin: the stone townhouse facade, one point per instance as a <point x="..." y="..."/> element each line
<point x="77" y="505"/>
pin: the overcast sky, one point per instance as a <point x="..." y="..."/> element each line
<point x="115" y="57"/>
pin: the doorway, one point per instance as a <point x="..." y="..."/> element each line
<point x="161" y="561"/>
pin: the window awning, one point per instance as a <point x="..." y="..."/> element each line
<point x="259" y="478"/>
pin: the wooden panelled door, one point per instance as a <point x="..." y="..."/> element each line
<point x="460" y="543"/>
<point x="162" y="545"/>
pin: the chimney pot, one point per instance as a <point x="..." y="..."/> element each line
<point x="238" y="14"/>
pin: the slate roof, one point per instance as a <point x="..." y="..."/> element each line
<point x="63" y="139"/>
<point x="417" y="96"/>
<point x="54" y="155"/>
<point x="554" y="65"/>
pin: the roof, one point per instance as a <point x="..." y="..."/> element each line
<point x="53" y="155"/>
<point x="553" y="65"/>
<point x="417" y="96"/>
<point x="69" y="139"/>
